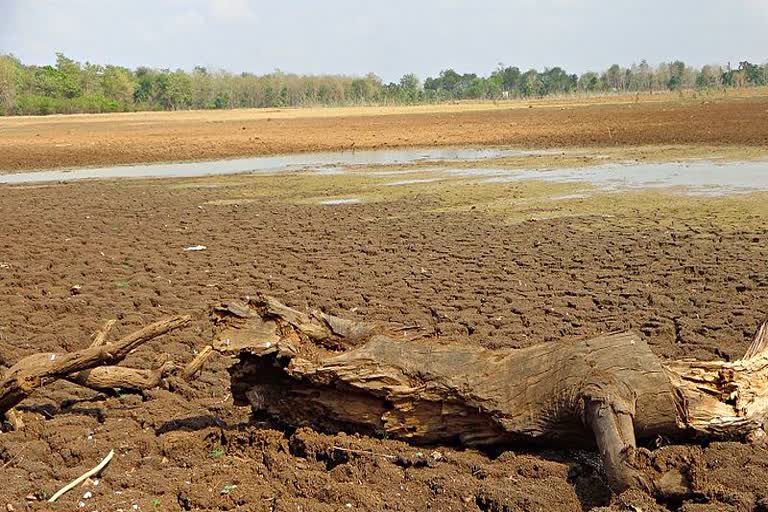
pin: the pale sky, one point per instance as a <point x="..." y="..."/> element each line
<point x="387" y="37"/>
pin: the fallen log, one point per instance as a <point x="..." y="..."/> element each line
<point x="38" y="370"/>
<point x="336" y="375"/>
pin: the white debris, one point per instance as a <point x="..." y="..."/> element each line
<point x="195" y="248"/>
<point x="87" y="495"/>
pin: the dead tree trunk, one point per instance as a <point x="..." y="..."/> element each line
<point x="605" y="390"/>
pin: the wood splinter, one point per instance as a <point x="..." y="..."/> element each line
<point x="335" y="375"/>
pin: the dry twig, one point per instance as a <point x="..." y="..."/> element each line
<point x="82" y="478"/>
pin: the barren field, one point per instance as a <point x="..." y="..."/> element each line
<point x="739" y="118"/>
<point x="494" y="264"/>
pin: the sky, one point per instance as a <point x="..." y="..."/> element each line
<point x="387" y="37"/>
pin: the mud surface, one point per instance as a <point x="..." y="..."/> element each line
<point x="693" y="285"/>
<point x="74" y="141"/>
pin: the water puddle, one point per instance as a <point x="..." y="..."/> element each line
<point x="279" y="163"/>
<point x="332" y="170"/>
<point x="343" y="200"/>
<point x="568" y="197"/>
<point x="695" y="178"/>
<point x="414" y="181"/>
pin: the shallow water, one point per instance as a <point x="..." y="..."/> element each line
<point x="344" y="200"/>
<point x="278" y="163"/>
<point x="696" y="178"/>
<point x="414" y="181"/>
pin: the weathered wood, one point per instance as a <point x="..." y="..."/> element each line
<point x="607" y="390"/>
<point x="100" y="338"/>
<point x="195" y="366"/>
<point x="107" y="378"/>
<point x="724" y="399"/>
<point x="38" y="370"/>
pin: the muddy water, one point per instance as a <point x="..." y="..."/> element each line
<point x="694" y="177"/>
<point x="278" y="163"/>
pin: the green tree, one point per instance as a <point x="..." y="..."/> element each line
<point x="752" y="73"/>
<point x="118" y="84"/>
<point x="146" y="88"/>
<point x="530" y="83"/>
<point x="365" y="89"/>
<point x="557" y="81"/>
<point x="410" y="87"/>
<point x="174" y="90"/>
<point x="68" y="77"/>
<point x="9" y="81"/>
<point x="509" y="78"/>
<point x="676" y="75"/>
<point x="615" y="78"/>
<point x="73" y="87"/>
<point x="203" y="95"/>
<point x="590" y="82"/>
<point x="90" y="79"/>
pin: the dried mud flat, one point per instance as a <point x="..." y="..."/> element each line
<point x="740" y="118"/>
<point x="693" y="282"/>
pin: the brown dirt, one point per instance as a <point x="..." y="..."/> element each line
<point x="693" y="287"/>
<point x="69" y="141"/>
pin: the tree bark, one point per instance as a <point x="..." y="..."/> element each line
<point x="335" y="375"/>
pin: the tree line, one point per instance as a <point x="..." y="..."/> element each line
<point x="70" y="86"/>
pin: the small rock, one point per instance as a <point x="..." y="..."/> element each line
<point x="9" y="507"/>
<point x="75" y="290"/>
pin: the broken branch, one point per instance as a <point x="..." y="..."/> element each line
<point x="38" y="370"/>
